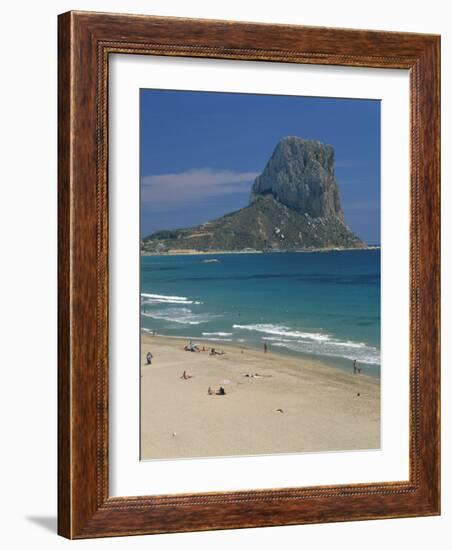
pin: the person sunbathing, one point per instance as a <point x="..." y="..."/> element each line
<point x="213" y="351"/>
<point x="185" y="376"/>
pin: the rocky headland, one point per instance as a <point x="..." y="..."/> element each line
<point x="294" y="206"/>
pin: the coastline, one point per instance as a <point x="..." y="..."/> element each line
<point x="293" y="405"/>
<point x="194" y="252"/>
<point x="333" y="362"/>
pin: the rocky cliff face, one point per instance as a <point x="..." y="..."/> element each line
<point x="294" y="205"/>
<point x="300" y="175"/>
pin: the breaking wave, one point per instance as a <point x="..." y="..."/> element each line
<point x="180" y="315"/>
<point x="315" y="343"/>
<point x="162" y="299"/>
<point x="281" y="330"/>
<point x="217" y="333"/>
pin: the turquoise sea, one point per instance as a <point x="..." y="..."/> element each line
<point x="317" y="304"/>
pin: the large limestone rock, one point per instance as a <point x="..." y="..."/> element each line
<point x="300" y="175"/>
<point x="294" y="205"/>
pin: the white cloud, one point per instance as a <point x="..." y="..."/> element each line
<point x="199" y="183"/>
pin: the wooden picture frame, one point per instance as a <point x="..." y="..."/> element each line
<point x="86" y="40"/>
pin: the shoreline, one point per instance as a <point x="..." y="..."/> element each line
<point x="333" y="362"/>
<point x="194" y="252"/>
<point x="274" y="403"/>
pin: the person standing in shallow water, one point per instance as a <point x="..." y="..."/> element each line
<point x="354" y="367"/>
<point x="265" y="347"/>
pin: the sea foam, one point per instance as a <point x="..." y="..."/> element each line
<point x="163" y="299"/>
<point x="180" y="315"/>
<point x="315" y="343"/>
<point x="281" y="330"/>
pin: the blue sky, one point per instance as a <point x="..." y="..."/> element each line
<point x="200" y="152"/>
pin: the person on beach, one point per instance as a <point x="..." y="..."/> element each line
<point x="265" y="347"/>
<point x="149" y="357"/>
<point x="221" y="391"/>
<point x="192" y="347"/>
<point x="186" y="376"/>
<point x="356" y="368"/>
<point x="213" y="351"/>
<point x="210" y="391"/>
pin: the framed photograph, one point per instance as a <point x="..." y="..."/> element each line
<point x="248" y="275"/>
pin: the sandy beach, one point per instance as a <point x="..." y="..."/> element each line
<point x="293" y="405"/>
